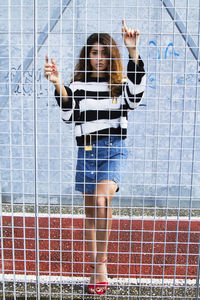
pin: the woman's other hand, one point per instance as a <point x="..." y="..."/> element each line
<point x="130" y="36"/>
<point x="131" y="40"/>
<point x="51" y="71"/>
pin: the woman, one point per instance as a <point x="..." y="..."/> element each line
<point x="98" y="101"/>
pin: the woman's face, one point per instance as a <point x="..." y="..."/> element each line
<point x="98" y="59"/>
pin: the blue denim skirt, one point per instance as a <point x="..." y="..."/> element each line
<point x="106" y="161"/>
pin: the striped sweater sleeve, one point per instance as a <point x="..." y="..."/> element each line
<point x="135" y="85"/>
<point x="70" y="108"/>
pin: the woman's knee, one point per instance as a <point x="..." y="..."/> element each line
<point x="101" y="206"/>
<point x="95" y="206"/>
<point x="101" y="201"/>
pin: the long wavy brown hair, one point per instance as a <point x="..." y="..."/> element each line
<point x="114" y="70"/>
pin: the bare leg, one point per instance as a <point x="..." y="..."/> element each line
<point x="103" y="196"/>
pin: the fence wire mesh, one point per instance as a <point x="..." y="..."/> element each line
<point x="153" y="249"/>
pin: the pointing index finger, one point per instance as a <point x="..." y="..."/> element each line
<point x="124" y="24"/>
<point x="53" y="61"/>
<point x="47" y="59"/>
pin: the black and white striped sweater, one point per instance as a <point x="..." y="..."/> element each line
<point x="93" y="110"/>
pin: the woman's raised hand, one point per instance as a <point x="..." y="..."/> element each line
<point x="130" y="36"/>
<point x="51" y="71"/>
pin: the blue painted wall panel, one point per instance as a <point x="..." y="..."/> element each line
<point x="163" y="136"/>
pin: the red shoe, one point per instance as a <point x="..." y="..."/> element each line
<point x="101" y="287"/>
